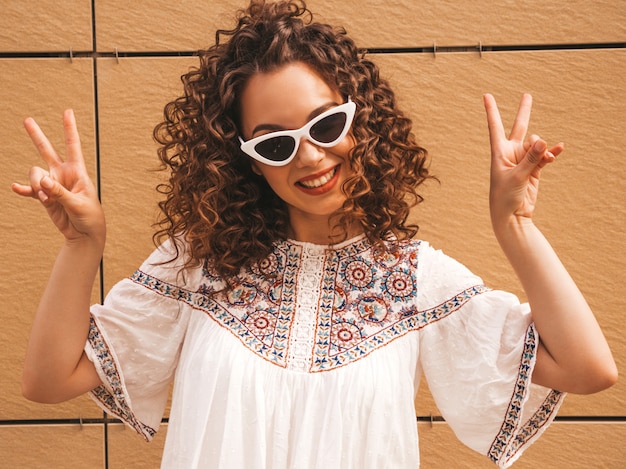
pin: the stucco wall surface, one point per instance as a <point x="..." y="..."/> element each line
<point x="440" y="57"/>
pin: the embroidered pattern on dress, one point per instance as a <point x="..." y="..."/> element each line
<point x="353" y="340"/>
<point x="314" y="309"/>
<point x="114" y="402"/>
<point x="514" y="434"/>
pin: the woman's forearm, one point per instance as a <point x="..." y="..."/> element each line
<point x="55" y="367"/>
<point x="575" y="356"/>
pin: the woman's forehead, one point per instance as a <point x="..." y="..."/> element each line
<point x="286" y="97"/>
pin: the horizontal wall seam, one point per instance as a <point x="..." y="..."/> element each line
<point x="420" y="419"/>
<point x="434" y="49"/>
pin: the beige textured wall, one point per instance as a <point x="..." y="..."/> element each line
<point x="580" y="98"/>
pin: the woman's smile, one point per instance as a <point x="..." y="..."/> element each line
<point x="319" y="183"/>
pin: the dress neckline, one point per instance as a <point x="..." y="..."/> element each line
<point x="326" y="247"/>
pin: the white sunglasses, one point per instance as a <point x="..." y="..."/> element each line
<point x="279" y="148"/>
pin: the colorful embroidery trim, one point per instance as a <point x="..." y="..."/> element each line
<point x="114" y="402"/>
<point x="514" y="434"/>
<point x="362" y="303"/>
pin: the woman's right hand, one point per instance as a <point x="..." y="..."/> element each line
<point x="55" y="367"/>
<point x="65" y="189"/>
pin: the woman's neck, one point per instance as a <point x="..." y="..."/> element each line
<point x="321" y="233"/>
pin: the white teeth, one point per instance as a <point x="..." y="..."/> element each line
<point x="320" y="181"/>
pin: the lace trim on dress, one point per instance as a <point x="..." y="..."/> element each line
<point x="308" y="300"/>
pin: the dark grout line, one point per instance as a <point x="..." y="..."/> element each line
<point x="96" y="106"/>
<point x="481" y="48"/>
<point x="434" y="49"/>
<point x="420" y="418"/>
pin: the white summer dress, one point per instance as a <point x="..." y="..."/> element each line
<point x="313" y="359"/>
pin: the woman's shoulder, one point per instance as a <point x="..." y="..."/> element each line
<point x="171" y="263"/>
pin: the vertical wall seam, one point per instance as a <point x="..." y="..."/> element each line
<point x="94" y="48"/>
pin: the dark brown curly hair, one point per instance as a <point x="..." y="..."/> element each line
<point x="229" y="215"/>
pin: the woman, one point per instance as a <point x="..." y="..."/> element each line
<point x="288" y="300"/>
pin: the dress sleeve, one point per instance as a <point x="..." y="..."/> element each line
<point x="478" y="357"/>
<point x="135" y="340"/>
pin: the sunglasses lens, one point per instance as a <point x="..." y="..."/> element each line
<point x="277" y="148"/>
<point x="330" y="128"/>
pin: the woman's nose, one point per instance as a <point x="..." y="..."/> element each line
<point x="309" y="154"/>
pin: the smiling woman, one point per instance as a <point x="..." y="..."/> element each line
<point x="245" y="213"/>
<point x="311" y="185"/>
<point x="289" y="302"/>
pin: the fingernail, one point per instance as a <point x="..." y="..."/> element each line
<point x="539" y="146"/>
<point x="46" y="182"/>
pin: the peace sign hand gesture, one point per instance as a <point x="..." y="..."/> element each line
<point x="516" y="164"/>
<point x="573" y="355"/>
<point x="64" y="189"/>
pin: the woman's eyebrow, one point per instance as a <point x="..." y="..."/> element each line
<point x="275" y="127"/>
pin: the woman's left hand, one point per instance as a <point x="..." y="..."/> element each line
<point x="516" y="163"/>
<point x="573" y="354"/>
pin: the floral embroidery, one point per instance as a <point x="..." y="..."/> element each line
<point x="242" y="295"/>
<point x="344" y="335"/>
<point x="388" y="259"/>
<point x="359" y="274"/>
<point x="340" y="300"/>
<point x="268" y="266"/>
<point x="372" y="309"/>
<point x="261" y="323"/>
<point x="400" y="284"/>
<point x="375" y="335"/>
<point x="327" y="308"/>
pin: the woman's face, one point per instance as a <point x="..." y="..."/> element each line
<point x="287" y="99"/>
